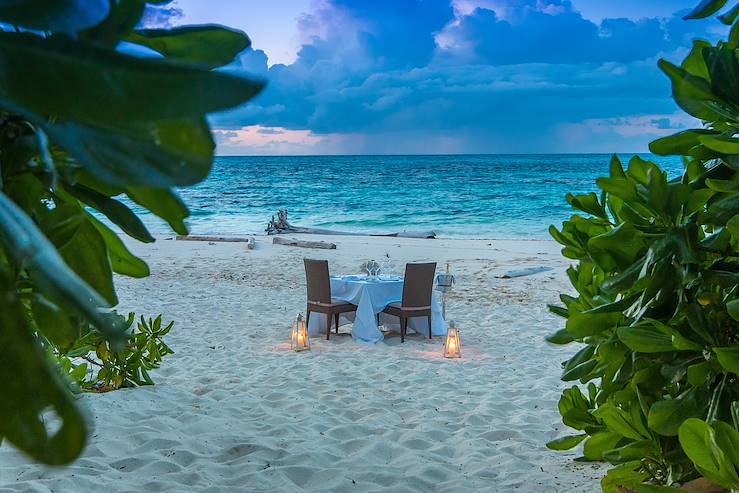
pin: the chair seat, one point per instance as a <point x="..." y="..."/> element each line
<point x="340" y="306"/>
<point x="397" y="309"/>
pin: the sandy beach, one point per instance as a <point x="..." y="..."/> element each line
<point x="234" y="410"/>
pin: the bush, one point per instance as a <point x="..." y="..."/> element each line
<point x="94" y="366"/>
<point x="657" y="302"/>
<point x="82" y="123"/>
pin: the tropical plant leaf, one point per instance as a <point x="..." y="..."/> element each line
<point x="567" y="442"/>
<point x="122" y="261"/>
<point x="728" y="357"/>
<point x="705" y="8"/>
<point x="60" y="73"/>
<point x="114" y="210"/>
<point x="40" y="390"/>
<point x="29" y="247"/>
<point x="210" y="46"/>
<point x="679" y="144"/>
<point x="665" y="417"/>
<point x="164" y="203"/>
<point x="645" y="339"/>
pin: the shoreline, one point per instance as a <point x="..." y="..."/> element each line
<point x="245" y="237"/>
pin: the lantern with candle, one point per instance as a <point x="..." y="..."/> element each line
<point x="453" y="345"/>
<point x="300" y="340"/>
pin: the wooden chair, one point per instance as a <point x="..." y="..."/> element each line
<point x="319" y="294"/>
<point x="417" y="290"/>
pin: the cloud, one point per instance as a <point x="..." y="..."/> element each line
<point x="259" y="140"/>
<point x="552" y="32"/>
<point x="491" y="76"/>
<point x="160" y="16"/>
<point x="628" y="131"/>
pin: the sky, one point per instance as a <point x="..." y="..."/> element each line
<point x="451" y="76"/>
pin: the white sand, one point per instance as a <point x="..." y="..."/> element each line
<point x="234" y="410"/>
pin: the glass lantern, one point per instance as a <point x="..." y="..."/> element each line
<point x="300" y="340"/>
<point x="453" y="345"/>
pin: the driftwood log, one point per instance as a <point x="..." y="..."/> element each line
<point x="282" y="226"/>
<point x="324" y="245"/>
<point x="250" y="242"/>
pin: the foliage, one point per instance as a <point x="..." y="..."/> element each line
<point x="94" y="366"/>
<point x="82" y="123"/>
<point x="657" y="306"/>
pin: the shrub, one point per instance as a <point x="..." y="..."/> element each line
<point x="82" y="123"/>
<point x="657" y="299"/>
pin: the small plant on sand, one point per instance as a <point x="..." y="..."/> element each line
<point x="94" y="366"/>
<point x="81" y="123"/>
<point x="656" y="313"/>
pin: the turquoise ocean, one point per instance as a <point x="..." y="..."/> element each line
<point x="483" y="196"/>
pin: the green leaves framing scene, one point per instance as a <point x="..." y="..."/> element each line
<point x="81" y="125"/>
<point x="656" y="316"/>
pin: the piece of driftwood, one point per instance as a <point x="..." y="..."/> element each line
<point x="280" y="225"/>
<point x="304" y="244"/>
<point x="524" y="272"/>
<point x="213" y="238"/>
<point x="251" y="243"/>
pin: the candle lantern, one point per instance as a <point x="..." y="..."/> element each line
<point x="300" y="340"/>
<point x="444" y="284"/>
<point x="453" y="345"/>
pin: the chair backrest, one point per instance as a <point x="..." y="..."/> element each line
<point x="317" y="279"/>
<point x="418" y="284"/>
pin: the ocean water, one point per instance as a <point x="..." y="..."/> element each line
<point x="483" y="196"/>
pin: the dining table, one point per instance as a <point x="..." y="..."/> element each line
<point x="372" y="294"/>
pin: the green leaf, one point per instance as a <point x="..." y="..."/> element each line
<point x="54" y="323"/>
<point x="560" y="337"/>
<point x="164" y="203"/>
<point x="29" y="247"/>
<point x="728" y="358"/>
<point x="705" y="8"/>
<point x="210" y="46"/>
<point x="567" y="442"/>
<point x="645" y="339"/>
<point x="692" y="93"/>
<point x="87" y="255"/>
<point x="733" y="308"/>
<point x="723" y="185"/>
<point x="698" y="441"/>
<point x="618" y="421"/>
<point x="581" y="325"/>
<point x="698" y="374"/>
<point x="122" y="260"/>
<point x="59" y="75"/>
<point x="727" y="438"/>
<point x="588" y="203"/>
<point x="599" y="443"/>
<point x="623" y="477"/>
<point x="39" y="390"/>
<point x="114" y="210"/>
<point x="678" y="144"/>
<point x="665" y="417"/>
<point x="724" y="145"/>
<point x="157" y="154"/>
<point x="580" y="371"/>
<point x="730" y="16"/>
<point x="54" y="15"/>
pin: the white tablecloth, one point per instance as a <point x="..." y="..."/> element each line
<point x="371" y="296"/>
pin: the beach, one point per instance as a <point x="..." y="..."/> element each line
<point x="235" y="410"/>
